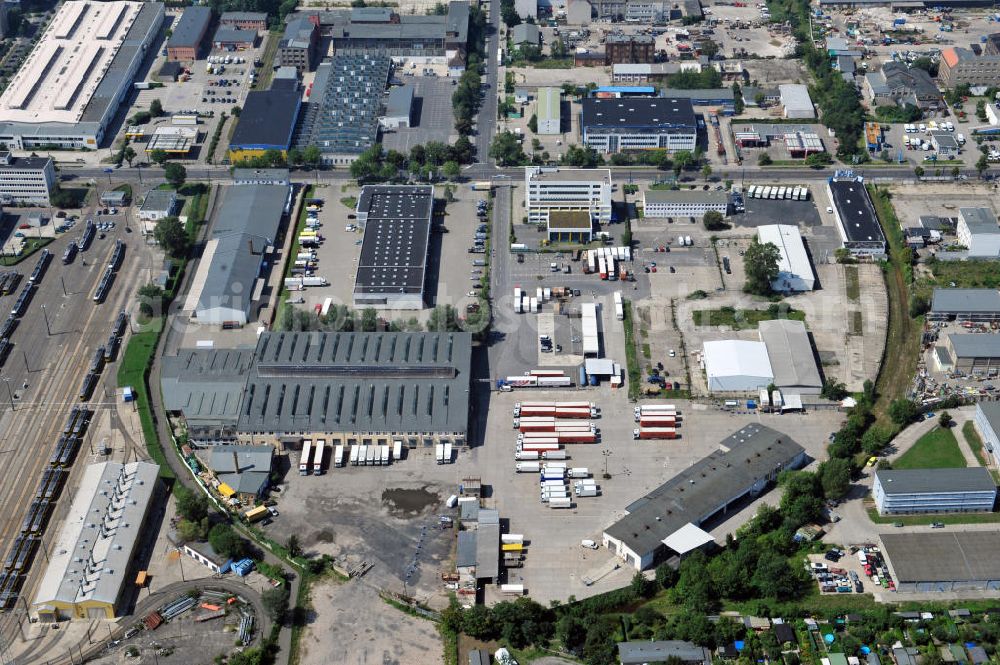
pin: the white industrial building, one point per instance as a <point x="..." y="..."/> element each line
<point x="548" y="188"/>
<point x="734" y="365"/>
<point x="978" y="230"/>
<point x="664" y="203"/>
<point x="90" y="560"/>
<point x="795" y="273"/>
<point x="795" y="101"/>
<point x="398" y="108"/>
<point x="548" y="115"/>
<point x="987" y="420"/>
<point x="69" y="88"/>
<point x="921" y="491"/>
<point x="26" y="180"/>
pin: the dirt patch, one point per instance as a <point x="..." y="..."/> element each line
<point x="409" y="502"/>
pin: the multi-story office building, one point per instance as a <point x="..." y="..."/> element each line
<point x="660" y="203"/>
<point x="298" y="45"/>
<point x="568" y="190"/>
<point x="914" y="491"/>
<point x="639" y="123"/>
<point x="959" y="65"/>
<point x="26" y="180"/>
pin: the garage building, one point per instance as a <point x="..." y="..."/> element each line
<point x="734" y="365"/>
<point x="795" y="101"/>
<point x="795" y="272"/>
<point x="974" y="353"/>
<point x="398" y="108"/>
<point x="667" y="521"/>
<point x="921" y="491"/>
<point x="549" y="114"/>
<point x="90" y="563"/>
<point x="943" y="560"/>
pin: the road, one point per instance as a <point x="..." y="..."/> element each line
<point x="486" y="124"/>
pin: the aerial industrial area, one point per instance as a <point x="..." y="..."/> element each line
<point x="500" y="331"/>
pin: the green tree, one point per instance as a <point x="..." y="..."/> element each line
<point x="760" y="263"/>
<point x="706" y="171"/>
<point x="945" y="420"/>
<point x="835" y="477"/>
<point x="581" y="156"/>
<point x="955" y="172"/>
<point x="764" y="159"/>
<point x="599" y="647"/>
<point x="294" y="156"/>
<point x="903" y="411"/>
<point x="506" y="149"/>
<point x="571" y="631"/>
<point x="919" y="172"/>
<point x="175" y="174"/>
<point x="171" y="236"/>
<point x="150" y="300"/>
<point x="224" y="540"/>
<point x="293" y="546"/>
<point x="312" y="155"/>
<point x="451" y="170"/>
<point x="773" y="576"/>
<point x="981" y="165"/>
<point x="683" y="160"/>
<point x="156" y="108"/>
<point x="443" y="318"/>
<point x="714" y="221"/>
<point x="128" y="154"/>
<point x="819" y="160"/>
<point x="478" y="622"/>
<point x="190" y="531"/>
<point x="191" y="505"/>
<point x="159" y="156"/>
<point x="369" y="319"/>
<point x="533" y="123"/>
<point x="275" y="602"/>
<point x="833" y="390"/>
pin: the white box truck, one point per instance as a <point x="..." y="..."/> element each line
<point x="439" y="452"/>
<point x="448" y="459"/>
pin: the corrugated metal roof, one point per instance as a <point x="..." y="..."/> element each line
<point x="792" y="360"/>
<point x="932" y="481"/>
<point x="975" y="345"/>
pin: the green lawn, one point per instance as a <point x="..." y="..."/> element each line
<point x="938" y="449"/>
<point x="31" y="245"/>
<point x="853" y="283"/>
<point x="740" y="319"/>
<point x="133" y="371"/>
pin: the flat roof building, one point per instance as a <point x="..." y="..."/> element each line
<point x="225" y="285"/>
<point x="791" y="356"/>
<point x="978" y="230"/>
<point x="965" y="304"/>
<point x="570" y="226"/>
<point x="665" y="203"/>
<point x="70" y="86"/>
<point x="261" y="177"/>
<point x="341" y="117"/>
<point x="393" y="263"/>
<point x="549" y="189"/>
<point x="227" y="37"/>
<point x="267" y="122"/>
<point x="856" y="220"/>
<point x="398" y="108"/>
<point x="795" y="272"/>
<point x="796" y="101"/>
<point x="188" y="37"/>
<point x="638" y="123"/>
<point x="157" y="204"/>
<point x="987" y="422"/>
<point x="549" y="113"/>
<point x="644" y="653"/>
<point x="920" y="491"/>
<point x="90" y="561"/>
<point x="718" y="97"/>
<point x="974" y="353"/>
<point x="734" y="365"/>
<point x="746" y="462"/>
<point x="26" y="180"/>
<point x="943" y="560"/>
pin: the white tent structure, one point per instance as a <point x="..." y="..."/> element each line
<point x="734" y="365"/>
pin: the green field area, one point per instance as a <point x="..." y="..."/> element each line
<point x="741" y="319"/>
<point x="938" y="449"/>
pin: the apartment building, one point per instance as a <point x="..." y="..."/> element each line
<point x="639" y="123"/>
<point x="548" y="190"/>
<point x="26" y="180"/>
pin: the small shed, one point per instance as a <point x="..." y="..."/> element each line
<point x="114" y="197"/>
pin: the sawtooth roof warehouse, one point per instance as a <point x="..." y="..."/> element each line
<point x="71" y="84"/>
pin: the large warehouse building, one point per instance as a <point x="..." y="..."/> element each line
<point x="790" y="352"/>
<point x="228" y="281"/>
<point x="668" y="520"/>
<point x="90" y="561"/>
<point x="734" y="365"/>
<point x="783" y="357"/>
<point x="346" y="388"/>
<point x="393" y="263"/>
<point x="943" y="560"/>
<point x="266" y="122"/>
<point x="987" y="420"/>
<point x="72" y="83"/>
<point x="795" y="273"/>
<point x="639" y="123"/>
<point x="920" y="491"/>
<point x="856" y="220"/>
<point x="965" y="305"/>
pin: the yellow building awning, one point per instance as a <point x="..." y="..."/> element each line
<point x="226" y="491"/>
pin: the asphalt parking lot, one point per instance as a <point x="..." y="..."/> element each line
<point x="432" y="116"/>
<point x="760" y="212"/>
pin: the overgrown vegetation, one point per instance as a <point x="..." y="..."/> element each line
<point x="937" y="449"/>
<point x="742" y="319"/>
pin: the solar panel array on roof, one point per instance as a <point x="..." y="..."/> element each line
<point x="342" y="114"/>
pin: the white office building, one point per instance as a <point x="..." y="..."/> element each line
<point x="916" y="491"/>
<point x="795" y="273"/>
<point x="664" y="203"/>
<point x="26" y="180"/>
<point x="548" y="189"/>
<point x="978" y="230"/>
<point x="639" y="123"/>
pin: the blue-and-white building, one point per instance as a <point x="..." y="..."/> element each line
<point x="918" y="491"/>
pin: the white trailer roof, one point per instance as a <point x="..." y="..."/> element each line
<point x="589" y="327"/>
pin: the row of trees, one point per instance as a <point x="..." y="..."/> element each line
<point x="428" y="162"/>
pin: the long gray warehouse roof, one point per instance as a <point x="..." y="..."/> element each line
<point x="253" y="209"/>
<point x="957" y="301"/>
<point x="190" y="29"/>
<point x="930" y="481"/>
<point x="975" y="345"/>
<point x="943" y="556"/>
<point x="791" y="353"/>
<point x="695" y="493"/>
<point x="206" y="384"/>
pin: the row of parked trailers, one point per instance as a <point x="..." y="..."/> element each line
<point x="312" y="458"/>
<point x="108" y="278"/>
<point x="788" y="193"/>
<point x="656" y="421"/>
<point x="25" y="545"/>
<point x="606" y="262"/>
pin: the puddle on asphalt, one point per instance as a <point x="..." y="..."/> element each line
<point x="406" y="502"/>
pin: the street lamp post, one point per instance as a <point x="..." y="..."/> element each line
<point x="10" y="394"/>
<point x="606" y="454"/>
<point x="45" y="314"/>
